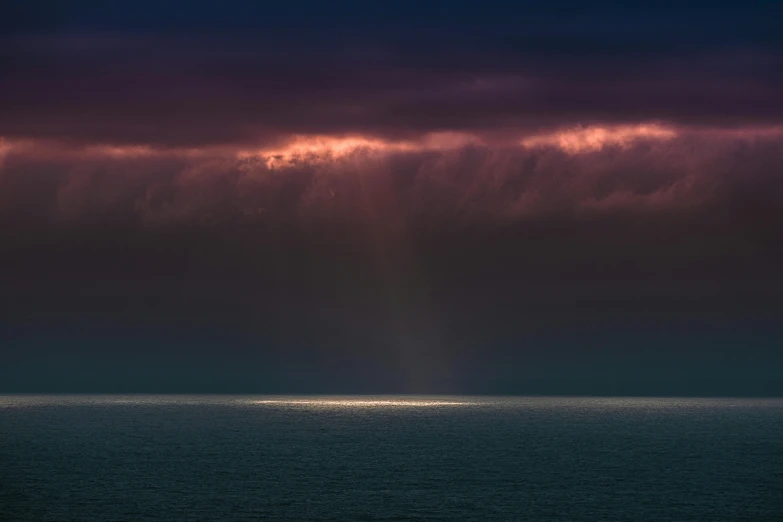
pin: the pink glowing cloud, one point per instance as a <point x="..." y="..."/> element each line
<point x="596" y="137"/>
<point x="649" y="167"/>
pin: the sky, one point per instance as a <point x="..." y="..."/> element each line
<point x="391" y="197"/>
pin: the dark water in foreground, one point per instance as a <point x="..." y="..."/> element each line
<point x="129" y="458"/>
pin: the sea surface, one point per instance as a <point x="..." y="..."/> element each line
<point x="180" y="458"/>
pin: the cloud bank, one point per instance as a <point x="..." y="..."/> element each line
<point x="575" y="171"/>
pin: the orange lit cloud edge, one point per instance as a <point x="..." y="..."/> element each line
<point x="571" y="140"/>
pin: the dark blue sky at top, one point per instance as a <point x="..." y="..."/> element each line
<point x="576" y="25"/>
<point x="234" y="14"/>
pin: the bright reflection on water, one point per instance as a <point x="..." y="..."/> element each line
<point x="364" y="402"/>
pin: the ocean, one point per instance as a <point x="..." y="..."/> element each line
<point x="203" y="458"/>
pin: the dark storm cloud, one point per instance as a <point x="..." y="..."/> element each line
<point x="442" y="197"/>
<point x="645" y="207"/>
<point x="126" y="74"/>
<point x="475" y="269"/>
